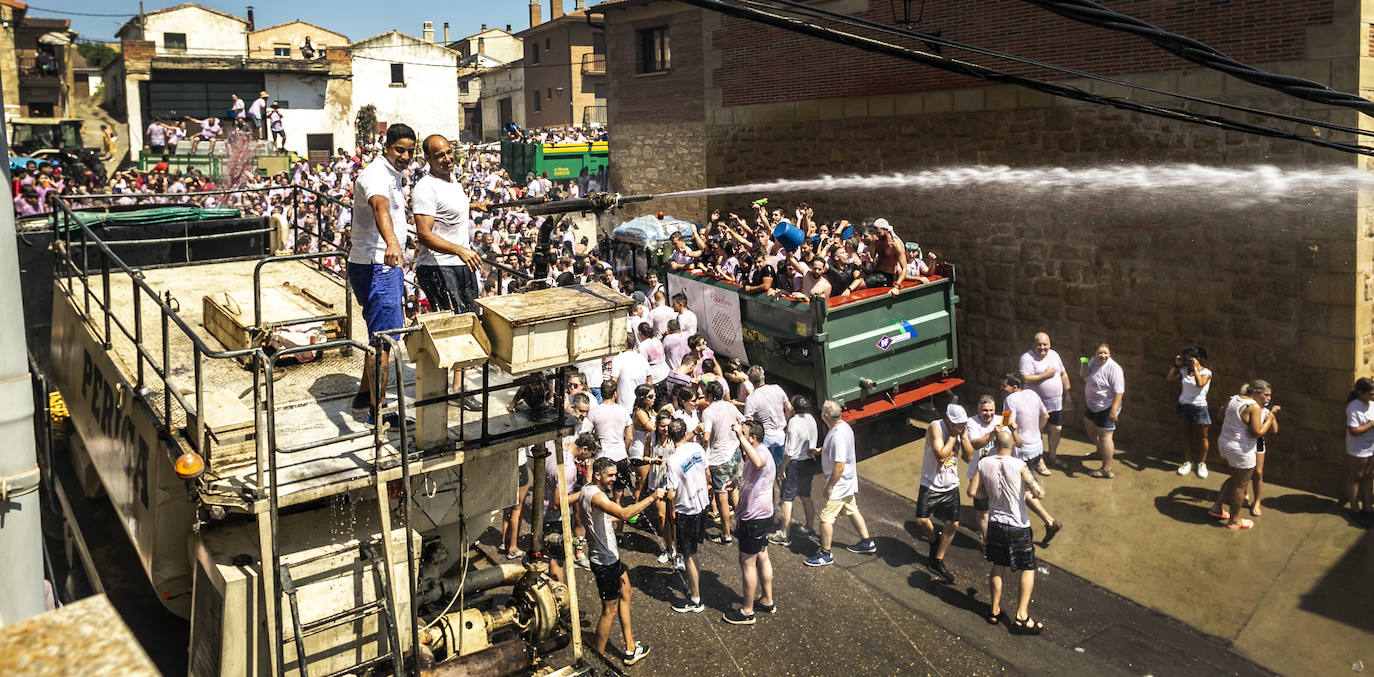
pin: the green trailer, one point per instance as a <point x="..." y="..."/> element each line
<point x="871" y="351"/>
<point x="562" y="161"/>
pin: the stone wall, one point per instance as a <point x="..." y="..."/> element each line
<point x="1280" y="291"/>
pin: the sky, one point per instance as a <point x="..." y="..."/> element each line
<point x="356" y="19"/>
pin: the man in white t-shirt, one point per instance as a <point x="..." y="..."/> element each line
<point x="768" y="405"/>
<point x="686" y="483"/>
<point x="685" y="317"/>
<point x="1030" y="416"/>
<point x="946" y="440"/>
<point x="445" y="265"/>
<point x="630" y="369"/>
<point x="1005" y="482"/>
<point x="660" y="313"/>
<point x="1044" y="373"/>
<point x="723" y="457"/>
<point x="839" y="462"/>
<point x="374" y="257"/>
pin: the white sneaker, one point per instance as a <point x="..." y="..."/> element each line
<point x="1202" y="471"/>
<point x="1185" y="468"/>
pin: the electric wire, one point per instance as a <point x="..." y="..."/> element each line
<point x="31" y="8"/>
<point x="816" y="12"/>
<point x="974" y="70"/>
<point x="1184" y="47"/>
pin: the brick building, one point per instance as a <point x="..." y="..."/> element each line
<point x="37" y="69"/>
<point x="564" y="67"/>
<point x="1283" y="291"/>
<point x="187" y="60"/>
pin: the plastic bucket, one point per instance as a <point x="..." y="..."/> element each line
<point x="789" y="236"/>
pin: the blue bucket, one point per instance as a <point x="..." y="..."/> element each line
<point x="789" y="236"/>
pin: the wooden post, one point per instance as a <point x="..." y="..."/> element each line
<point x="568" y="568"/>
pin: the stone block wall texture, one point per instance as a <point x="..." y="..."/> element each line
<point x="1281" y="291"/>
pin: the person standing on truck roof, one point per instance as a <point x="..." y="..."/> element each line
<point x="445" y="265"/>
<point x="374" y="256"/>
<point x="612" y="579"/>
<point x="889" y="259"/>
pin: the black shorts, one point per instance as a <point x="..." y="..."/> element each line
<point x="524" y="475"/>
<point x="448" y="287"/>
<point x="1056" y="418"/>
<point x="753" y="535"/>
<point x="877" y="279"/>
<point x="608" y="580"/>
<point x="1008" y="546"/>
<point x="691" y="531"/>
<point x="980" y="504"/>
<point x="798" y="478"/>
<point x="942" y="505"/>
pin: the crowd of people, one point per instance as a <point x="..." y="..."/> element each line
<point x="565" y="134"/>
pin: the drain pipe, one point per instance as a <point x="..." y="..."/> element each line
<point x="21" y="537"/>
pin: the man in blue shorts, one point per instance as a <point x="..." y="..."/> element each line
<point x="374" y="257"/>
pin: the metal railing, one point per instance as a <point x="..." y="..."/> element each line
<point x="593" y="64"/>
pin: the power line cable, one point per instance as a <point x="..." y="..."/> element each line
<point x="815" y="12"/>
<point x="992" y="75"/>
<point x="1093" y="14"/>
<point x="63" y="11"/>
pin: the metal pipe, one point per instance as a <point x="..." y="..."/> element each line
<point x="21" y="536"/>
<point x="507" y="658"/>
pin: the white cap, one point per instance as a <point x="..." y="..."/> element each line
<point x="956" y="414"/>
<point x="882" y="224"/>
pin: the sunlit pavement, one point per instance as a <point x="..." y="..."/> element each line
<point x="1140" y="582"/>
<point x="1294" y="594"/>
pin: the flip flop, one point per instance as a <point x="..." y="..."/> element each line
<point x="1219" y="515"/>
<point x="1242" y="524"/>
<point x="1099" y="474"/>
<point x="1026" y="626"/>
<point x="993" y="618"/>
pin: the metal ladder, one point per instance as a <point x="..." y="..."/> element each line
<point x="277" y="580"/>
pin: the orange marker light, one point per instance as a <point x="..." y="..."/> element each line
<point x="660" y="215"/>
<point x="189" y="466"/>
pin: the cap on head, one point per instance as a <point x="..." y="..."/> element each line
<point x="882" y="224"/>
<point x="262" y="94"/>
<point x="955" y="414"/>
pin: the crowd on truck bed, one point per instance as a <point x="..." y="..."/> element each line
<point x="569" y="134"/>
<point x="800" y="258"/>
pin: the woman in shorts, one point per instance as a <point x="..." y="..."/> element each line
<point x="1243" y="422"/>
<point x="1193" y="416"/>
<point x="1359" y="449"/>
<point x="661" y="447"/>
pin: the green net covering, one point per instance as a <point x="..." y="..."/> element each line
<point x="152" y="215"/>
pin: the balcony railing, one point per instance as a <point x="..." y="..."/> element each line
<point x="37" y="66"/>
<point x="593" y="115"/>
<point x="593" y="64"/>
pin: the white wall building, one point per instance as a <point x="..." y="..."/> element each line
<point x="409" y="81"/>
<point x="502" y="98"/>
<point x="189" y="30"/>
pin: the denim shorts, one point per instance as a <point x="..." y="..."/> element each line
<point x="1101" y="419"/>
<point x="1194" y="414"/>
<point x="381" y="293"/>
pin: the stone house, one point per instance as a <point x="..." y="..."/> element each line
<point x="478" y="53"/>
<point x="286" y="40"/>
<point x="187" y="60"/>
<point x="502" y="99"/>
<point x="565" y="68"/>
<point x="409" y="80"/>
<point x="1282" y="290"/>
<point x="38" y="79"/>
